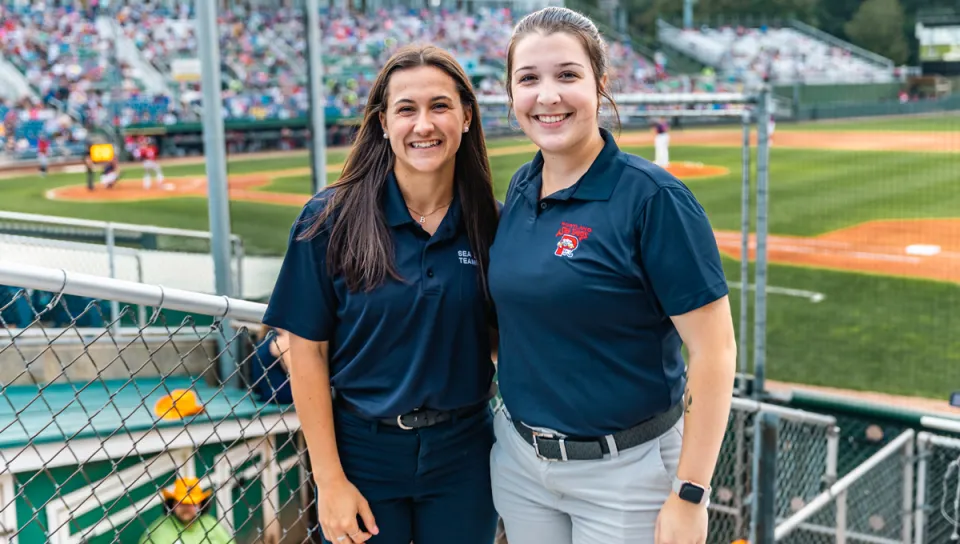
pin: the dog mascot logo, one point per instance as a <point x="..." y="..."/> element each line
<point x="571" y="236"/>
<point x="566" y="246"/>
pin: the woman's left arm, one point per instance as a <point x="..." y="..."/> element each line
<point x="711" y="369"/>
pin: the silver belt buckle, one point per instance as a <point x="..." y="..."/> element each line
<point x="401" y="425"/>
<point x="536" y="446"/>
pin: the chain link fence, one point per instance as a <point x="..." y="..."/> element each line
<point x="117" y="438"/>
<point x="872" y="503"/>
<point x="100" y="427"/>
<point x="108" y="430"/>
<point x="938" y="488"/>
<point x="144" y="253"/>
<point x="806" y="461"/>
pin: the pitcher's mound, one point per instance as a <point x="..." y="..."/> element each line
<point x="690" y="170"/>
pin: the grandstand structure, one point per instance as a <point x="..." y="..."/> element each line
<point x="784" y="55"/>
<point x="73" y="72"/>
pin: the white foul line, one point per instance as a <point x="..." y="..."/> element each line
<point x="813" y="296"/>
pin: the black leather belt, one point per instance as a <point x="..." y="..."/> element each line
<point x="419" y="419"/>
<point x="551" y="447"/>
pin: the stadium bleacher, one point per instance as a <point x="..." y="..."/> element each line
<point x="778" y="55"/>
<point x="68" y="56"/>
<point x="262" y="54"/>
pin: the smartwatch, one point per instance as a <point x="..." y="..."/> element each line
<point x="691" y="492"/>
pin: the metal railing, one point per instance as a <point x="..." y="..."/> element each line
<point x="112" y="254"/>
<point x="88" y="447"/>
<point x="872" y="503"/>
<point x="113" y="234"/>
<point x="937" y="516"/>
<point x="96" y="435"/>
<point x="805" y="455"/>
<point x="80" y="439"/>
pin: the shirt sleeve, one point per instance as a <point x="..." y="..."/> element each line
<point x="679" y="253"/>
<point x="303" y="301"/>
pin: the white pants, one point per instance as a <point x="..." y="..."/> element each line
<point x="109" y="179"/>
<point x="661" y="146"/>
<point x="605" y="501"/>
<point x="147" y="167"/>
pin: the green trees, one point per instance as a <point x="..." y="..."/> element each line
<point x="878" y="26"/>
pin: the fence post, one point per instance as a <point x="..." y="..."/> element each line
<point x="318" y="129"/>
<point x="141" y="309"/>
<point x="218" y="192"/>
<point x="111" y="241"/>
<point x="920" y="505"/>
<point x="908" y="460"/>
<point x="765" y="477"/>
<point x="744" y="254"/>
<point x="740" y="470"/>
<point x="833" y="451"/>
<point x="842" y="517"/>
<point x="239" y="253"/>
<point x="760" y="306"/>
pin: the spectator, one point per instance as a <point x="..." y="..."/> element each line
<point x="185" y="519"/>
<point x="269" y="378"/>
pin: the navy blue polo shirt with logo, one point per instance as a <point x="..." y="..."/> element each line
<point x="584" y="282"/>
<point x="420" y="343"/>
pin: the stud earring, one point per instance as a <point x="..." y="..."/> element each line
<point x="385" y="136"/>
<point x="466" y="129"/>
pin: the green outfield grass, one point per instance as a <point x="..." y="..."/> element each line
<point x="870" y="332"/>
<point x="947" y="121"/>
<point x="294" y="184"/>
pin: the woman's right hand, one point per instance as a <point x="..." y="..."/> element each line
<point x="339" y="503"/>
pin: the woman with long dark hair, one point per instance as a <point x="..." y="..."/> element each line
<point x="383" y="292"/>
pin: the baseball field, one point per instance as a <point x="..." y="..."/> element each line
<point x="864" y="222"/>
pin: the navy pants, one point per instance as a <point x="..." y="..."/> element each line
<point x="426" y="486"/>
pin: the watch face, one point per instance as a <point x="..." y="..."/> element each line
<point x="691" y="493"/>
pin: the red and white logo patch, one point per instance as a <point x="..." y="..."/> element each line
<point x="571" y="236"/>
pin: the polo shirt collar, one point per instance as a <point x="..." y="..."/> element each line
<point x="397" y="214"/>
<point x="596" y="184"/>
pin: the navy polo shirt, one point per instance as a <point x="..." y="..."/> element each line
<point x="584" y="282"/>
<point x="420" y="343"/>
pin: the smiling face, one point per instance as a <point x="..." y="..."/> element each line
<point x="555" y="92"/>
<point x="424" y="120"/>
<point x="186" y="513"/>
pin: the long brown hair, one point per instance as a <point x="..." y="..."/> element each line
<point x="360" y="246"/>
<point x="553" y="19"/>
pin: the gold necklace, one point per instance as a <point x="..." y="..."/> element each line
<point x="423" y="217"/>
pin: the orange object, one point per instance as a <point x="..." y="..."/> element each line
<point x="178" y="404"/>
<point x="187" y="491"/>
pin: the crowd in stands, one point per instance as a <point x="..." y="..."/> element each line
<point x="79" y="83"/>
<point x="777" y="55"/>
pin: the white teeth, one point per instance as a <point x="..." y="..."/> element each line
<point x="425" y="145"/>
<point x="551" y="118"/>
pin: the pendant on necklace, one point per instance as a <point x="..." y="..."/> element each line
<point x="422" y="219"/>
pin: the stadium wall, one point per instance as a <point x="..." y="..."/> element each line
<point x="839" y="110"/>
<point x="813" y="95"/>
